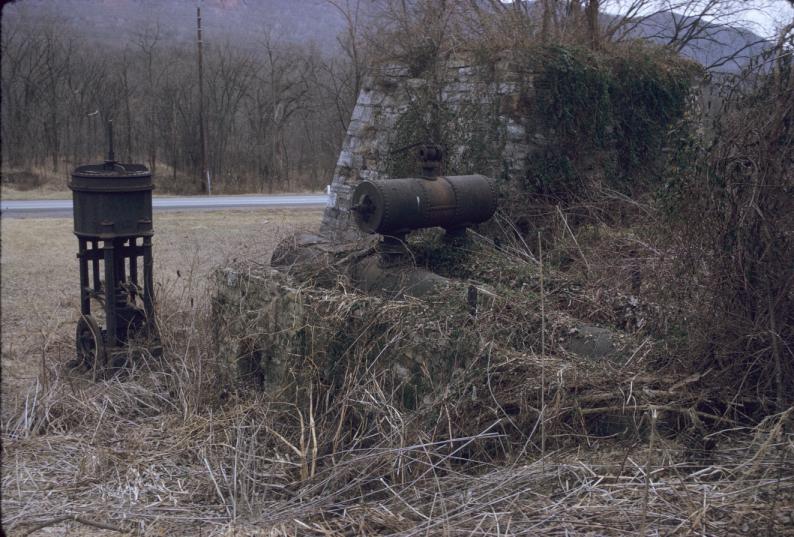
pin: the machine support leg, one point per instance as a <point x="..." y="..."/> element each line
<point x="133" y="269"/>
<point x="95" y="267"/>
<point x="85" y="298"/>
<point x="121" y="268"/>
<point x="110" y="294"/>
<point x="148" y="279"/>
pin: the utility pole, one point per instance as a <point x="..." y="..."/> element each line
<point x="202" y="129"/>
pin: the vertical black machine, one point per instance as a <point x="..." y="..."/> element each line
<point x="113" y="224"/>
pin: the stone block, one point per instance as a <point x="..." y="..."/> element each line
<point x="277" y="328"/>
<point x="356" y="125"/>
<point x="506" y="88"/>
<point x="352" y="142"/>
<point x="362" y="113"/>
<point x="356" y="161"/>
<point x="462" y="87"/>
<point x="452" y="97"/>
<point x="365" y="97"/>
<point x="345" y="158"/>
<point x="393" y="70"/>
<point x="515" y="131"/>
<point x="465" y="73"/>
<point x="343" y="190"/>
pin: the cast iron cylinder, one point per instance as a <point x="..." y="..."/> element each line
<point x="112" y="200"/>
<point x="392" y="206"/>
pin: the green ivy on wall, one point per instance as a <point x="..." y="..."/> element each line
<point x="469" y="133"/>
<point x="608" y="112"/>
<point x="605" y="114"/>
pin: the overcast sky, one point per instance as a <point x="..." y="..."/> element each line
<point x="763" y="17"/>
<point x="769" y="20"/>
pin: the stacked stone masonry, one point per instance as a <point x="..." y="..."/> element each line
<point x="496" y="94"/>
<point x="484" y="115"/>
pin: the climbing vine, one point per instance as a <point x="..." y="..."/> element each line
<point x="599" y="117"/>
<point x="468" y="132"/>
<point x="608" y="114"/>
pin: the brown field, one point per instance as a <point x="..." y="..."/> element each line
<point x="40" y="293"/>
<point x="37" y="194"/>
<point x="172" y="449"/>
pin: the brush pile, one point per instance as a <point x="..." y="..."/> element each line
<point x="468" y="344"/>
<point x="362" y="415"/>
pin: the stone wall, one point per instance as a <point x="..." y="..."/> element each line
<point x="485" y="114"/>
<point x="477" y="112"/>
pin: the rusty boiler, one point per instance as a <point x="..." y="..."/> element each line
<point x="397" y="206"/>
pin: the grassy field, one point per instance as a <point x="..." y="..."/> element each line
<point x="171" y="448"/>
<point x="40" y="290"/>
<point x="37" y="194"/>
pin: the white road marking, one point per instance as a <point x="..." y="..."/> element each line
<point x="193" y="202"/>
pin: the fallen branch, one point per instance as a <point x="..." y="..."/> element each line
<point x="76" y="518"/>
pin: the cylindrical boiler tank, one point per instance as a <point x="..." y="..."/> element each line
<point x="112" y="200"/>
<point x="392" y="206"/>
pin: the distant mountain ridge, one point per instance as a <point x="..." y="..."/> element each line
<point x="246" y="23"/>
<point x="725" y="47"/>
<point x="239" y="22"/>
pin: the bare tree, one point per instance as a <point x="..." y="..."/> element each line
<point x="351" y="40"/>
<point x="147" y="42"/>
<point x="593" y="31"/>
<point x="230" y="75"/>
<point x="698" y="25"/>
<point x="57" y="55"/>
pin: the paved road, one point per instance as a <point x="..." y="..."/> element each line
<point x="63" y="208"/>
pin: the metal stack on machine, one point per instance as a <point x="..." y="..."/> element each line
<point x="113" y="225"/>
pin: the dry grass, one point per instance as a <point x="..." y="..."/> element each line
<point x="36" y="182"/>
<point x="40" y="292"/>
<point x="218" y="472"/>
<point x="170" y="450"/>
<point x="156" y="453"/>
<point x="44" y="193"/>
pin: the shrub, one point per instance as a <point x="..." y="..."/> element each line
<point x="618" y="106"/>
<point x="736" y="217"/>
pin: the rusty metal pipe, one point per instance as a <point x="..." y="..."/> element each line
<point x="393" y="206"/>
